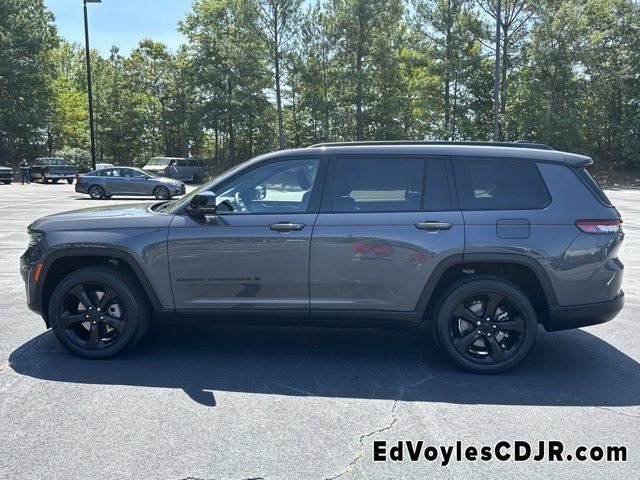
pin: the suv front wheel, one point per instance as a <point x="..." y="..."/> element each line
<point x="485" y="325"/>
<point x="97" y="312"/>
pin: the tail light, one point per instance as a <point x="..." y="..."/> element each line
<point x="600" y="226"/>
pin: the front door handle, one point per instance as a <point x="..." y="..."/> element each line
<point x="434" y="226"/>
<point x="286" y="226"/>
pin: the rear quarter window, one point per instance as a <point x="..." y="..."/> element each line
<point x="591" y="184"/>
<point x="491" y="184"/>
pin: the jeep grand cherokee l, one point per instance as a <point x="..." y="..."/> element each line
<point x="478" y="242"/>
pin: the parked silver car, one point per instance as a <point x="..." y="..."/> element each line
<point x="127" y="181"/>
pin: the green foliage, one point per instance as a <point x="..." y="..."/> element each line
<point x="255" y="75"/>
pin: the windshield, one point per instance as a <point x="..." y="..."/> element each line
<point x="159" y="161"/>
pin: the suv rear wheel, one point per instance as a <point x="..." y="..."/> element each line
<point x="97" y="312"/>
<point x="485" y="325"/>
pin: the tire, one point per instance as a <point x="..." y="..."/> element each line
<point x="6" y="182"/>
<point x="485" y="347"/>
<point x="45" y="180"/>
<point x="55" y="180"/>
<point x="128" y="313"/>
<point x="96" y="192"/>
<point x="161" y="193"/>
<point x="70" y="181"/>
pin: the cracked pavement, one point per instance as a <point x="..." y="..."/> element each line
<point x="209" y="402"/>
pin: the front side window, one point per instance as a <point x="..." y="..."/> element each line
<point x="490" y="184"/>
<point x="279" y="187"/>
<point x="377" y="184"/>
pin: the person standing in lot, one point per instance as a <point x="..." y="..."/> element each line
<point x="24" y="171"/>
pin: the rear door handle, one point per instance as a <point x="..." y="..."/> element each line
<point x="434" y="226"/>
<point x="286" y="226"/>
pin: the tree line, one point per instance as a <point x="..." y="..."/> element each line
<point x="257" y="75"/>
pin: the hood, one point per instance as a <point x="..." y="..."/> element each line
<point x="155" y="168"/>
<point x="167" y="180"/>
<point x="138" y="215"/>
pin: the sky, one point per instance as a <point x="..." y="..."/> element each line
<point x="121" y="22"/>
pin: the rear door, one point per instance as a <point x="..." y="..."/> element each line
<point x="386" y="222"/>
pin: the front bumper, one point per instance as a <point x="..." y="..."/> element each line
<point x="576" y="316"/>
<point x="28" y="271"/>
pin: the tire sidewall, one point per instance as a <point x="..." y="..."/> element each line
<point x="160" y="188"/>
<point x="95" y="187"/>
<point x="456" y="295"/>
<point x="126" y="292"/>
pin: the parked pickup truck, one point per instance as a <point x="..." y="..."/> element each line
<point x="6" y="175"/>
<point x="52" y="169"/>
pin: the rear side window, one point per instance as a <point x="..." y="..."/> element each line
<point x="181" y="163"/>
<point x="488" y="184"/>
<point x="591" y="184"/>
<point x="377" y="184"/>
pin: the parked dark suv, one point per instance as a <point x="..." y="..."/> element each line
<point x="478" y="242"/>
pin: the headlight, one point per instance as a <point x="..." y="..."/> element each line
<point x="34" y="238"/>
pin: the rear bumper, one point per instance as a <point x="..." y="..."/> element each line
<point x="576" y="316"/>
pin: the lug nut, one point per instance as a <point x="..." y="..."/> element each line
<point x="479" y="332"/>
<point x="101" y="318"/>
<point x="478" y="323"/>
<point x="503" y="346"/>
<point x="488" y="319"/>
<point x="98" y="309"/>
<point x="86" y="316"/>
<point x="495" y="326"/>
<point x="94" y="322"/>
<point x="488" y="334"/>
<point x="90" y="308"/>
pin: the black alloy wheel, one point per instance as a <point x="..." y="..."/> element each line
<point x="92" y="315"/>
<point x="485" y="325"/>
<point x="487" y="328"/>
<point x="99" y="311"/>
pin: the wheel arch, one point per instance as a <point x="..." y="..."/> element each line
<point x="522" y="270"/>
<point x="60" y="263"/>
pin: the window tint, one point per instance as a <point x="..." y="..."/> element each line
<point x="377" y="184"/>
<point x="181" y="163"/>
<point x="436" y="186"/>
<point x="485" y="184"/>
<point x="588" y="180"/>
<point x="278" y="187"/>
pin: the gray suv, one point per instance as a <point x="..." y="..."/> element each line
<point x="477" y="242"/>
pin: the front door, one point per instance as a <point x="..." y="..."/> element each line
<point x="254" y="253"/>
<point x="386" y="222"/>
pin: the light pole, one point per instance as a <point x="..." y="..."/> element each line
<point x="89" y="87"/>
<point x="496" y="92"/>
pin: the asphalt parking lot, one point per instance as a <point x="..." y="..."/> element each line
<point x="207" y="402"/>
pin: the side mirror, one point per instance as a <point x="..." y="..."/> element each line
<point x="261" y="192"/>
<point x="204" y="203"/>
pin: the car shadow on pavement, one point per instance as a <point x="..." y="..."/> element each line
<point x="572" y="368"/>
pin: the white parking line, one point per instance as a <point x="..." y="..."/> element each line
<point x="37" y="201"/>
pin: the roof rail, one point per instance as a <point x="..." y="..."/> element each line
<point x="518" y="144"/>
